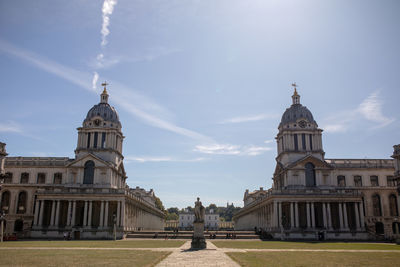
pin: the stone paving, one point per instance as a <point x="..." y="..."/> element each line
<point x="212" y="256"/>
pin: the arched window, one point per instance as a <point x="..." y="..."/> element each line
<point x="58" y="178"/>
<point x="376" y="203"/>
<point x="89" y="172"/>
<point x="5" y="201"/>
<point x="21" y="207"/>
<point x="393" y="205"/>
<point x="8" y="178"/>
<point x="310" y="174"/>
<point x="24" y="178"/>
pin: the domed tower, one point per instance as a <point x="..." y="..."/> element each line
<point x="299" y="135"/>
<point x="100" y="133"/>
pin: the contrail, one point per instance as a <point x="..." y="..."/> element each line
<point x="108" y="7"/>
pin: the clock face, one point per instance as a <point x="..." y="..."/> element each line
<point x="97" y="122"/>
<point x="302" y="124"/>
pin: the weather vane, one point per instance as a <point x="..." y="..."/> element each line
<point x="294" y="85"/>
<point x="104" y="84"/>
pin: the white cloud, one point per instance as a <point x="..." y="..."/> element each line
<point x="242" y="119"/>
<point x="10" y="127"/>
<point x="133" y="102"/>
<point x="370" y="110"/>
<point x="269" y="141"/>
<point x="107" y="10"/>
<point x="94" y="80"/>
<point x="228" y="149"/>
<point x="143" y="159"/>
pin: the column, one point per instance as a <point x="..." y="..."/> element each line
<point x="280" y="214"/>
<point x="291" y="216"/>
<point x="69" y="213"/>
<point x="89" y="221"/>
<point x="328" y="207"/>
<point x="398" y="205"/>
<point x="308" y="215"/>
<point x="101" y="213"/>
<point x="357" y="216"/>
<point x="312" y="215"/>
<point x="122" y="223"/>
<point x="362" y="215"/>
<point x="324" y="215"/>
<point x="275" y="214"/>
<point x="106" y="215"/>
<point x="36" y="218"/>
<point x="296" y="214"/>
<point x="85" y="213"/>
<point x="73" y="213"/>
<point x="40" y="223"/>
<point x="57" y="221"/>
<point x="53" y="213"/>
<point x="341" y="217"/>
<point x="346" y="222"/>
<point x="118" y="212"/>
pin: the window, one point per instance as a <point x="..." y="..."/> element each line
<point x="310" y="174"/>
<point x="21" y="207"/>
<point x="393" y="205"/>
<point x="303" y="141"/>
<point x="5" y="201"/>
<point x="8" y="178"/>
<point x="296" y="144"/>
<point x="96" y="135"/>
<point x="311" y="142"/>
<point x="357" y="181"/>
<point x="391" y="181"/>
<point x="88" y="175"/>
<point x="88" y="140"/>
<point x="374" y="180"/>
<point x="341" y="181"/>
<point x="24" y="178"/>
<point x="41" y="178"/>
<point x="376" y="203"/>
<point x="103" y="140"/>
<point x="58" y="178"/>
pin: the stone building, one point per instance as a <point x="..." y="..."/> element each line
<point x="43" y="197"/>
<point x="311" y="195"/>
<point x="211" y="221"/>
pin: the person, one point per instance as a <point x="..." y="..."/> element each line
<point x="65" y="235"/>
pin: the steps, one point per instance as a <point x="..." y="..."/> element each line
<point x="188" y="234"/>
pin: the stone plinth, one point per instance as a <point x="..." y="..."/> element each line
<point x="198" y="240"/>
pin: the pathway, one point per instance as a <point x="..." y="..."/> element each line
<point x="212" y="256"/>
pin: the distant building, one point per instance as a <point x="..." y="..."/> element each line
<point x="311" y="195"/>
<point x="211" y="221"/>
<point x="43" y="197"/>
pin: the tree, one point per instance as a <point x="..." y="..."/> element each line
<point x="159" y="204"/>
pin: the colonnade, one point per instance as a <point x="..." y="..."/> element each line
<point x="270" y="215"/>
<point x="72" y="210"/>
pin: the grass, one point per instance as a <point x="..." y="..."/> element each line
<point x="303" y="245"/>
<point x="255" y="259"/>
<point x="43" y="257"/>
<point x="98" y="244"/>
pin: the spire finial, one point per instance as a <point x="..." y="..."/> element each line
<point x="295" y="96"/>
<point x="104" y="95"/>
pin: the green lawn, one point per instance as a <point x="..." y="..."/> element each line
<point x="303" y="245"/>
<point x="255" y="259"/>
<point x="46" y="257"/>
<point x="97" y="244"/>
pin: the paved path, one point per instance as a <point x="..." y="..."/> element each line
<point x="212" y="256"/>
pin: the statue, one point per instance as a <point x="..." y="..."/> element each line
<point x="199" y="211"/>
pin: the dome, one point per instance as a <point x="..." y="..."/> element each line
<point x="295" y="112"/>
<point x="105" y="111"/>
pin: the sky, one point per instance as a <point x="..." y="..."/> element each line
<point x="200" y="86"/>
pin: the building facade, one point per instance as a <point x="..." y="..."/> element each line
<point x="87" y="196"/>
<point x="211" y="221"/>
<point x="340" y="198"/>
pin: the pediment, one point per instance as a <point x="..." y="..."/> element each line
<point x="80" y="163"/>
<point x="318" y="163"/>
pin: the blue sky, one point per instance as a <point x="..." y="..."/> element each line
<point x="200" y="86"/>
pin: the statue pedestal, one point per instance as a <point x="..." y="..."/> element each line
<point x="198" y="240"/>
